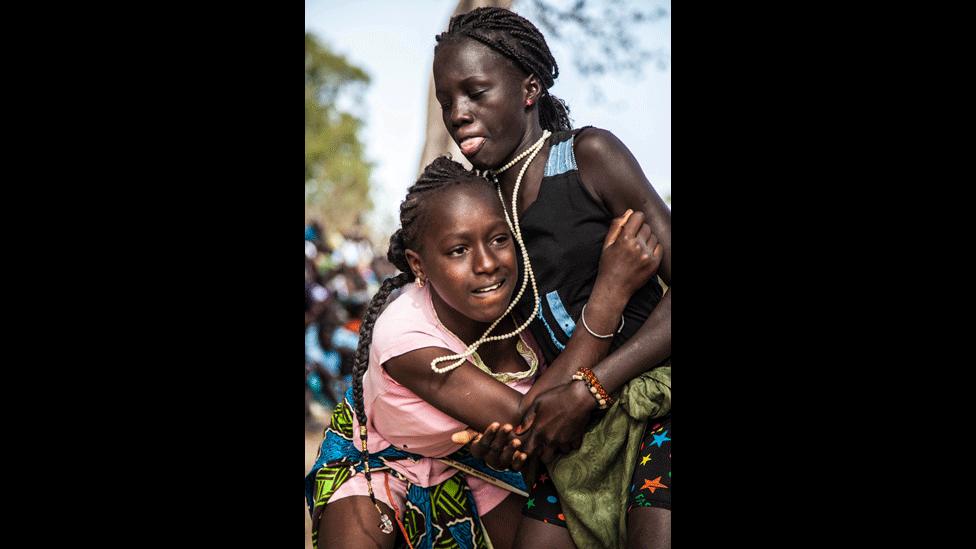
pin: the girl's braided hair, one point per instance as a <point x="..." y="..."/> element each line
<point x="520" y="41"/>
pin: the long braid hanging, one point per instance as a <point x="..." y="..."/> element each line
<point x="359" y="368"/>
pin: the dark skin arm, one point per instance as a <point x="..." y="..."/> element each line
<point x="476" y="399"/>
<point x="608" y="169"/>
<point x="550" y="424"/>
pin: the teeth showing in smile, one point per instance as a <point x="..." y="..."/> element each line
<point x="488" y="288"/>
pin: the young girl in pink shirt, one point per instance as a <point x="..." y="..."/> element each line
<point x="418" y="377"/>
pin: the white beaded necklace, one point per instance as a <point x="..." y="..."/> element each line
<point x="531" y="152"/>
<point x="537" y="145"/>
<point x="522" y="347"/>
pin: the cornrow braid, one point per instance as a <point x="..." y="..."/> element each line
<point x="438" y="175"/>
<point x="516" y="38"/>
<point x="361" y="362"/>
<point x="359" y="368"/>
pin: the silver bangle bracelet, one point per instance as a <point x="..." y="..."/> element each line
<point x="583" y="318"/>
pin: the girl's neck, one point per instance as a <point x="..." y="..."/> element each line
<point x="529" y="188"/>
<point x="532" y="134"/>
<point x="466" y="329"/>
<point x="499" y="356"/>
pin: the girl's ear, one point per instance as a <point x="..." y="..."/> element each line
<point x="531" y="90"/>
<point x="416" y="264"/>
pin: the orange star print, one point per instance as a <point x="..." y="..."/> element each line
<point x="653" y="484"/>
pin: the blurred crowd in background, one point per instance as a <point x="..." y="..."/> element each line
<point x="341" y="274"/>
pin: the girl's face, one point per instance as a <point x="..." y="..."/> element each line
<point x="466" y="254"/>
<point x="482" y="96"/>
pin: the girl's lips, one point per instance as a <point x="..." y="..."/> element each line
<point x="494" y="289"/>
<point x="471" y="145"/>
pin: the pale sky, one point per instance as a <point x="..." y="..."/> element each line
<point x="394" y="42"/>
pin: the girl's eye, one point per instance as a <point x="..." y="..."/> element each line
<point x="501" y="239"/>
<point x="456" y="252"/>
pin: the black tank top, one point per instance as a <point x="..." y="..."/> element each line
<point x="564" y="230"/>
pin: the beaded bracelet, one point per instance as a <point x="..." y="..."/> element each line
<point x="587" y="376"/>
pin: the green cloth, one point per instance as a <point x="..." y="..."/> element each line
<point x="593" y="482"/>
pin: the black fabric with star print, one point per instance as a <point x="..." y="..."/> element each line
<point x="543" y="503"/>
<point x="651" y="484"/>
